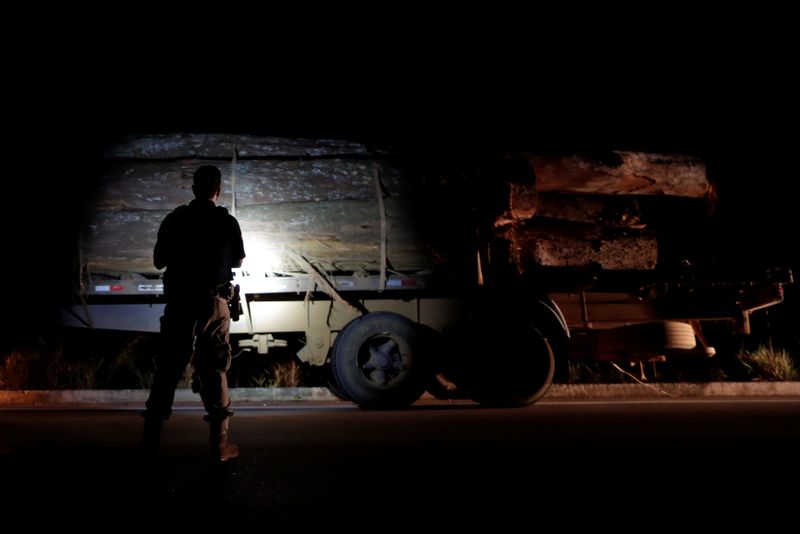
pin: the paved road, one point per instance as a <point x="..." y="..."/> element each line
<point x="627" y="464"/>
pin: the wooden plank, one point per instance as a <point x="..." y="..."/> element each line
<point x="213" y="145"/>
<point x="627" y="173"/>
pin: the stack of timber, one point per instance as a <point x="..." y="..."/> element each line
<point x="339" y="204"/>
<point x="588" y="213"/>
<point x="316" y="197"/>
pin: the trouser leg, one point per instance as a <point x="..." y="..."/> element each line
<point x="212" y="360"/>
<point x="175" y="353"/>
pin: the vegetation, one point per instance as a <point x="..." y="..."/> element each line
<point x="33" y="369"/>
<point x="83" y="359"/>
<point x="762" y="363"/>
<point x="766" y="363"/>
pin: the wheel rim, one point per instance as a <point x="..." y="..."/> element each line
<point x="381" y="360"/>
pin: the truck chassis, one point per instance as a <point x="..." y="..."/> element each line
<point x="389" y="338"/>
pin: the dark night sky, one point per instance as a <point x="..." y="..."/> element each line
<point x="731" y="106"/>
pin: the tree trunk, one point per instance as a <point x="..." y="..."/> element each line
<point x="622" y="173"/>
<point x="605" y="210"/>
<point x="211" y="145"/>
<point x="557" y="244"/>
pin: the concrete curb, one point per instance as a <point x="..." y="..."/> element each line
<point x="711" y="389"/>
<point x="139" y="396"/>
<point x="264" y="395"/>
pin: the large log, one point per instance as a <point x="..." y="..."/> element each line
<point x="622" y="173"/>
<point x="212" y="145"/>
<point x="340" y="235"/>
<point x="606" y="210"/>
<point x="121" y="240"/>
<point x="160" y="185"/>
<point x="343" y="235"/>
<point x="324" y="208"/>
<point x="556" y="244"/>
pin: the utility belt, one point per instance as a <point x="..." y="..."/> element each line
<point x="224" y="290"/>
<point x="230" y="292"/>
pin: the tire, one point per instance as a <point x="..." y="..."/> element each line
<point x="638" y="342"/>
<point x="438" y="384"/>
<point x="505" y="354"/>
<point x="378" y="361"/>
<point x="500" y="361"/>
<point x="336" y="388"/>
<point x="679" y="336"/>
<point x="524" y="373"/>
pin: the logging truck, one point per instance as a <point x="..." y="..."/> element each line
<point x="403" y="275"/>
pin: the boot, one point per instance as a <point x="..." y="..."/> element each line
<point x="221" y="448"/>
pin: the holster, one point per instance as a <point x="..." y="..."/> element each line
<point x="235" y="303"/>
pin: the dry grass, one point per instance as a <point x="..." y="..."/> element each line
<point x="286" y="375"/>
<point x="133" y="366"/>
<point x="769" y="364"/>
<point x="591" y="372"/>
<point x="16" y="370"/>
<point x="46" y="369"/>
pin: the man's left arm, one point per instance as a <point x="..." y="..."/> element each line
<point x="237" y="244"/>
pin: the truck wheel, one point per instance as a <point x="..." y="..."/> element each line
<point x="334" y="384"/>
<point x="336" y="388"/>
<point x="378" y="362"/>
<point x="438" y="382"/>
<point x="527" y="373"/>
<point x="504" y="365"/>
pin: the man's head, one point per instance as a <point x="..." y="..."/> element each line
<point x="207" y="182"/>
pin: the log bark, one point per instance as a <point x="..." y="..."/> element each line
<point x="341" y="234"/>
<point x="622" y="173"/>
<point x="160" y="185"/>
<point x="547" y="244"/>
<point x="520" y="201"/>
<point x="616" y="211"/>
<point x="606" y="210"/>
<point x="121" y="240"/>
<point x="211" y="145"/>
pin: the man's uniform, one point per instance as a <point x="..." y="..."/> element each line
<point x="199" y="244"/>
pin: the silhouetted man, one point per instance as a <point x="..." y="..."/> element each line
<point x="199" y="244"/>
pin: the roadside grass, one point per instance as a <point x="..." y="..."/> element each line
<point x="760" y="364"/>
<point x="286" y="374"/>
<point x="46" y="369"/>
<point x="766" y="363"/>
<point x="99" y="360"/>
